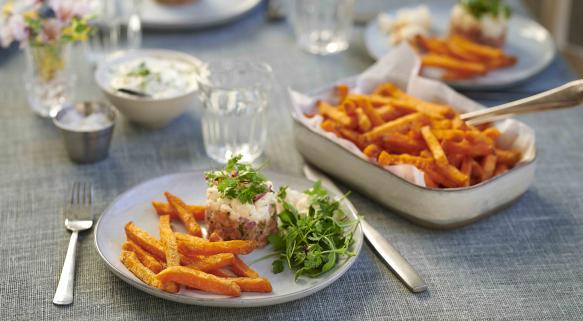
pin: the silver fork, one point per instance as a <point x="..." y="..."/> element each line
<point x="78" y="217"/>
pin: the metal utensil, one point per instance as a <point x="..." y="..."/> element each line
<point x="396" y="262"/>
<point x="132" y="92"/>
<point x="567" y="95"/>
<point x="78" y="217"/>
<point x="86" y="146"/>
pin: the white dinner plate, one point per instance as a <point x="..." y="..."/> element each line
<point x="199" y="14"/>
<point x="135" y="205"/>
<point x="530" y="42"/>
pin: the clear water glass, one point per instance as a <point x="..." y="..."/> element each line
<point x="235" y="96"/>
<point x="322" y="26"/>
<point x="117" y="26"/>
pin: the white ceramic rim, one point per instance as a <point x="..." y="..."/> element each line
<point x="100" y="72"/>
<point x="230" y="302"/>
<point x="195" y="24"/>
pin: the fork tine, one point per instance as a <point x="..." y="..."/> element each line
<point x="90" y="195"/>
<point x="74" y="192"/>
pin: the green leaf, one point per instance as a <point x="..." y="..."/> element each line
<point x="276" y="241"/>
<point x="277" y="266"/>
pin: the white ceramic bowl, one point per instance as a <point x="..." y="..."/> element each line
<point x="149" y="112"/>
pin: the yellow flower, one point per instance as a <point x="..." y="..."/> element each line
<point x="7" y="8"/>
<point x="30" y="14"/>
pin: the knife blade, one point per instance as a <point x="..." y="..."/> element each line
<point x="396" y="262"/>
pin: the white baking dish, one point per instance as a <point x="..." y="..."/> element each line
<point x="438" y="208"/>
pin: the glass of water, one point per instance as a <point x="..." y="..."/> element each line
<point x="235" y="96"/>
<point x="117" y="26"/>
<point x="322" y="26"/>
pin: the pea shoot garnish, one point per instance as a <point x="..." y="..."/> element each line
<point x="311" y="243"/>
<point x="238" y="181"/>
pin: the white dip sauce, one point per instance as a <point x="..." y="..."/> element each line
<point x="157" y="77"/>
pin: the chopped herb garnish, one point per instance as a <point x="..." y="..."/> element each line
<point x="140" y="71"/>
<point x="238" y="181"/>
<point x="311" y="243"/>
<point x="478" y="8"/>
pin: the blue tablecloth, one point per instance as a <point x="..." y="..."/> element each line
<point x="524" y="263"/>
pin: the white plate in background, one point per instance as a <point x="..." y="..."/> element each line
<point x="198" y="14"/>
<point x="530" y="42"/>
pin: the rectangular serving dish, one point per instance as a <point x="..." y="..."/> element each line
<point x="435" y="208"/>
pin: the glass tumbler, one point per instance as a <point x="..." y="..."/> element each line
<point x="235" y="96"/>
<point x="322" y="26"/>
<point x="117" y="26"/>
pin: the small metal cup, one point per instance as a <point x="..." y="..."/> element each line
<point x="87" y="146"/>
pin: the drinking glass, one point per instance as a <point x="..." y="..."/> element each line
<point x="322" y="26"/>
<point x="235" y="96"/>
<point x="117" y="26"/>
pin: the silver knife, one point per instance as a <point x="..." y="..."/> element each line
<point x="396" y="262"/>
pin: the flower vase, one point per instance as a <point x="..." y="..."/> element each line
<point x="48" y="79"/>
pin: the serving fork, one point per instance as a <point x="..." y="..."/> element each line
<point x="78" y="217"/>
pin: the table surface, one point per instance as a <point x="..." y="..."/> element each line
<point x="525" y="262"/>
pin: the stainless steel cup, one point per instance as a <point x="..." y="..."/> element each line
<point x="87" y="146"/>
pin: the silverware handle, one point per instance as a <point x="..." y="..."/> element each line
<point x="567" y="95"/>
<point x="64" y="293"/>
<point x="396" y="262"/>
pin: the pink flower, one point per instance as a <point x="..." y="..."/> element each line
<point x="65" y="10"/>
<point x="18" y="28"/>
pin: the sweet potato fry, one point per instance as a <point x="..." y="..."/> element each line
<point x="434" y="45"/>
<point x="199" y="280"/>
<point x="500" y="169"/>
<point x="453" y="175"/>
<point x="168" y="240"/>
<point x="507" y="157"/>
<point x="253" y="284"/>
<point x="400" y="143"/>
<point x="389" y="112"/>
<point x="145" y="240"/>
<point x="466" y="169"/>
<point x="133" y="264"/>
<point x="493" y="133"/>
<point x="364" y="123"/>
<point x="353" y="136"/>
<point x="329" y="125"/>
<point x="454" y="135"/>
<point x="341" y="90"/>
<point x="477" y="170"/>
<point x="198" y="211"/>
<point x="336" y="115"/>
<point x="192" y="245"/>
<point x="438" y="178"/>
<point x="429" y="182"/>
<point x="399" y="124"/>
<point x="386" y="159"/>
<point x="146" y="258"/>
<point x="349" y="107"/>
<point x="447" y="62"/>
<point x="502" y="62"/>
<point x="242" y="269"/>
<point x="223" y="273"/>
<point x="489" y="165"/>
<point x="434" y="147"/>
<point x="466" y="148"/>
<point x="372" y="151"/>
<point x="213" y="262"/>
<point x="372" y="114"/>
<point x="187" y="219"/>
<point x="477" y="49"/>
<point x="387" y="89"/>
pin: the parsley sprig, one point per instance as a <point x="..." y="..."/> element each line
<point x="311" y="243"/>
<point x="478" y="8"/>
<point x="238" y="181"/>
